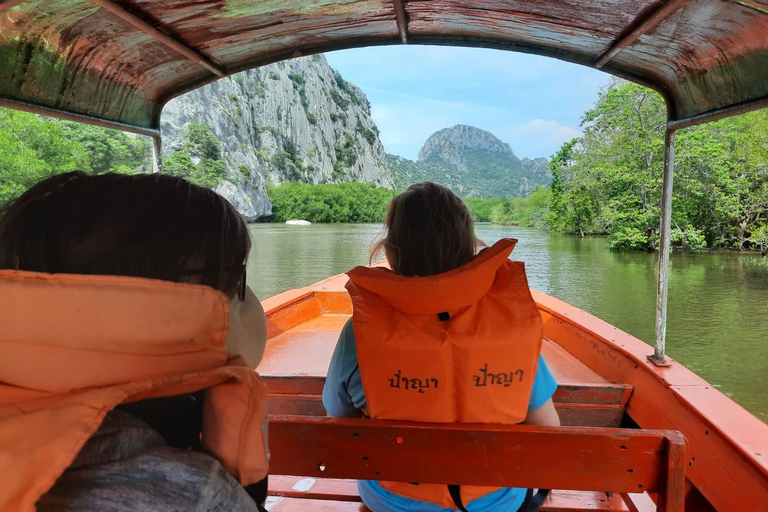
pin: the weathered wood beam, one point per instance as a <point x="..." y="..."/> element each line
<point x="753" y="5"/>
<point x="161" y="36"/>
<point x="80" y="118"/>
<point x="646" y="23"/>
<point x="719" y="113"/>
<point x="662" y="288"/>
<point x="7" y="4"/>
<point x="402" y="20"/>
<point x="157" y="154"/>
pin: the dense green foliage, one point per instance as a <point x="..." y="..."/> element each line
<point x="528" y="211"/>
<point x="609" y="180"/>
<point x="358" y="202"/>
<point x="482" y="209"/>
<point x="345" y="202"/>
<point x="33" y="148"/>
<point x="202" y="146"/>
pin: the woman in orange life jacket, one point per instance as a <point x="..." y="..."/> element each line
<point x="447" y="335"/>
<point x="127" y="346"/>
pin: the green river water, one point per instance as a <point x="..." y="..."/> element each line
<point x="718" y="302"/>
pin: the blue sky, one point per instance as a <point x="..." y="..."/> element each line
<point x="533" y="103"/>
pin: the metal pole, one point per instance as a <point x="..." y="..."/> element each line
<point x="664" y="243"/>
<point x="157" y="154"/>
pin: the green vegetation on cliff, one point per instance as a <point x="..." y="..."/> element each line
<point x="203" y="146"/>
<point x="471" y="162"/>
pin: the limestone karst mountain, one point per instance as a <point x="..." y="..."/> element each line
<point x="296" y="120"/>
<point x="472" y="162"/>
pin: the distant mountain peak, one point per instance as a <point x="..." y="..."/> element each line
<point x="472" y="162"/>
<point x="448" y="141"/>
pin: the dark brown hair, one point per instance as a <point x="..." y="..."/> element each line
<point x="154" y="226"/>
<point x="428" y="230"/>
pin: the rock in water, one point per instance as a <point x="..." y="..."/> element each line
<point x="296" y="120"/>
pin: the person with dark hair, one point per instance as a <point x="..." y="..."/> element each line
<point x="447" y="335"/>
<point x="128" y="342"/>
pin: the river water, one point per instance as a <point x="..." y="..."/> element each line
<point x="718" y="302"/>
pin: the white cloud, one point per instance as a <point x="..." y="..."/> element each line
<point x="548" y="128"/>
<point x="539" y="137"/>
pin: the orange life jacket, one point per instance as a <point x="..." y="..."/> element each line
<point x="462" y="346"/>
<point x="74" y="347"/>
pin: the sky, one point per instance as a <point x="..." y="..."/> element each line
<point x="533" y="103"/>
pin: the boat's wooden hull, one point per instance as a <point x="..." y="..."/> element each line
<point x="605" y="380"/>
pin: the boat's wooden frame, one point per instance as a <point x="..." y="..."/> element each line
<point x="727" y="453"/>
<point x="614" y="460"/>
<point x="75" y="75"/>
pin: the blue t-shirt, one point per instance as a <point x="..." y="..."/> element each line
<point x="343" y="396"/>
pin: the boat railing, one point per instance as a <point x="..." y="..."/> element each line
<point x="623" y="461"/>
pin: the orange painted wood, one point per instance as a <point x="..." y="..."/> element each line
<point x="295" y="384"/>
<point x="293" y="405"/>
<point x="727" y="446"/>
<point x="695" y="501"/>
<point x="285" y="317"/>
<point x="310" y="319"/>
<point x="567" y="369"/>
<point x="641" y="502"/>
<point x="582" y="501"/>
<point x="333" y="489"/>
<point x="346" y="491"/>
<point x="301" y="505"/>
<point x="336" y="303"/>
<point x="590" y="393"/>
<point x="303" y="350"/>
<point x="617" y="460"/>
<point x="608" y="394"/>
<point x="582" y="415"/>
<point x="673" y="497"/>
<point x="587" y="415"/>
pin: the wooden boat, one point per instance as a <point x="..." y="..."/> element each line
<point x="605" y="380"/>
<point x="116" y="64"/>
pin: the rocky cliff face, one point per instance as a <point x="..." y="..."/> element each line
<point x="291" y="121"/>
<point x="537" y="169"/>
<point x="452" y="144"/>
<point x="472" y="162"/>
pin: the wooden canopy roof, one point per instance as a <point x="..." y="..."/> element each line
<point x="117" y="62"/>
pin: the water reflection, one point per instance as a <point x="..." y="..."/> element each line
<point x="718" y="303"/>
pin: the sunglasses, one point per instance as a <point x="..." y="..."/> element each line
<point x="241" y="286"/>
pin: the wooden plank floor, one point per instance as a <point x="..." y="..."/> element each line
<point x="288" y="493"/>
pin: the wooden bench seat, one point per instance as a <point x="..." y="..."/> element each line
<point x="296" y="362"/>
<point x="321" y="454"/>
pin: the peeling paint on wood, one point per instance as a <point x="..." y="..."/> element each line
<point x="74" y="56"/>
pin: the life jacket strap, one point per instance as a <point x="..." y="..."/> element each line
<point x="258" y="492"/>
<point x="455" y="492"/>
<point x="531" y="503"/>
